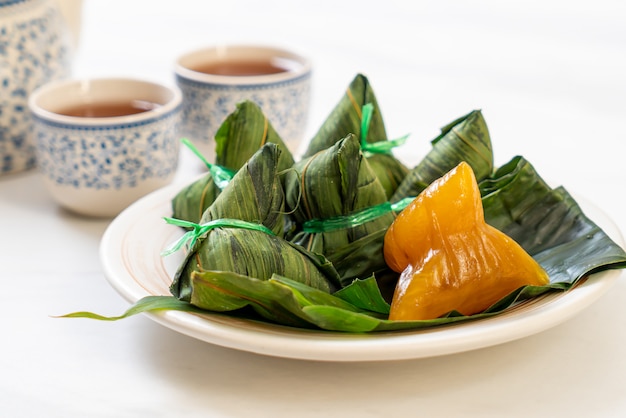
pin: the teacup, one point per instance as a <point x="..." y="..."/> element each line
<point x="103" y="143"/>
<point x="213" y="80"/>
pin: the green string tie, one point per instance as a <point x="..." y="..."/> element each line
<point x="221" y="175"/>
<point x="355" y="219"/>
<point x="380" y="147"/>
<point x="190" y="237"/>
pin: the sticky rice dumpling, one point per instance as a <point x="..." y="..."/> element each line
<point x="464" y="139"/>
<point x="449" y="258"/>
<point x="346" y="118"/>
<point x="241" y="134"/>
<point x="255" y="196"/>
<point x="333" y="183"/>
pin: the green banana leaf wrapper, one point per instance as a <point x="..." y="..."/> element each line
<point x="336" y="182"/>
<point x="549" y="224"/>
<point x="241" y="134"/>
<point x="190" y="202"/>
<point x="245" y="131"/>
<point x="254" y="195"/>
<point x="346" y="118"/>
<point x="464" y="139"/>
<point x="253" y="254"/>
<point x="546" y="221"/>
<point x="278" y="299"/>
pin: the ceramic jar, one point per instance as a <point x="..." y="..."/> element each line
<point x="35" y="47"/>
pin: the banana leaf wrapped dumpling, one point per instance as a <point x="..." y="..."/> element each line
<point x="464" y="139"/>
<point x="254" y="196"/>
<point x="347" y="118"/>
<point x="241" y="134"/>
<point x="334" y="183"/>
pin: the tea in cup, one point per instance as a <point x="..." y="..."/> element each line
<point x="101" y="144"/>
<point x="213" y="80"/>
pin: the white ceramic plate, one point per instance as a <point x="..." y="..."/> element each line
<point x="130" y="254"/>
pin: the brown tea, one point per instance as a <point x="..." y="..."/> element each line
<point x="108" y="109"/>
<point x="242" y="68"/>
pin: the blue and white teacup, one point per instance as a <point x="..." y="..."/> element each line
<point x="101" y="144"/>
<point x="213" y="80"/>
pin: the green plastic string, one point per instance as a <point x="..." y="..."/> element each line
<point x="221" y="175"/>
<point x="380" y="147"/>
<point x="355" y="219"/>
<point x="190" y="238"/>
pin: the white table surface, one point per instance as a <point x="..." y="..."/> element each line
<point x="550" y="77"/>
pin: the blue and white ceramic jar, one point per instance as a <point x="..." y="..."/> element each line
<point x="35" y="47"/>
<point x="283" y="94"/>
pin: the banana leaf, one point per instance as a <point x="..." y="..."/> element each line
<point x="389" y="171"/>
<point x="271" y="299"/>
<point x="465" y="139"/>
<point x="547" y="222"/>
<point x="192" y="200"/>
<point x="254" y="195"/>
<point x="336" y="182"/>
<point x="253" y="254"/>
<point x="365" y="294"/>
<point x="551" y="227"/>
<point x="241" y="134"/>
<point x="346" y="118"/>
<point x="361" y="258"/>
<point x="262" y="275"/>
<point x="569" y="250"/>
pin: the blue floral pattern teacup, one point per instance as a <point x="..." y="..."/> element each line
<point x="98" y="164"/>
<point x="214" y="80"/>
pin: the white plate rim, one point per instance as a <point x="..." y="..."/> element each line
<point x="280" y="341"/>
